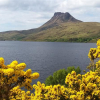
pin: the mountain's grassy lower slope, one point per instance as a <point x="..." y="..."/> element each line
<point x="79" y="32"/>
<point x="70" y="31"/>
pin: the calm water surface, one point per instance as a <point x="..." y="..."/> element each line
<point x="46" y="57"/>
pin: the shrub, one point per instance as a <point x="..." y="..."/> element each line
<point x="60" y="75"/>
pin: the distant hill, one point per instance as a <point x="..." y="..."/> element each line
<point x="62" y="27"/>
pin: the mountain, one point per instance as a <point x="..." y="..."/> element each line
<point x="59" y="18"/>
<point x="61" y="27"/>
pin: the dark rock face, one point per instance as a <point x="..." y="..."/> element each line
<point x="63" y="17"/>
<point x="58" y="13"/>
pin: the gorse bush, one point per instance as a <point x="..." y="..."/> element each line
<point x="60" y="75"/>
<point x="94" y="54"/>
<point x="12" y="78"/>
<point x="79" y="87"/>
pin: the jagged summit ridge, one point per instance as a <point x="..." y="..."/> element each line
<point x="60" y="17"/>
<point x="58" y="13"/>
<point x="64" y="17"/>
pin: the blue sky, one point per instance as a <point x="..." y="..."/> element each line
<point x="28" y="14"/>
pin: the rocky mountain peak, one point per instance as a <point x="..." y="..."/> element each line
<point x="59" y="18"/>
<point x="64" y="17"/>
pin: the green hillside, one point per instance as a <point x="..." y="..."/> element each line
<point x="72" y="32"/>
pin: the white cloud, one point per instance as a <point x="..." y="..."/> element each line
<point x="20" y="20"/>
<point x="3" y="2"/>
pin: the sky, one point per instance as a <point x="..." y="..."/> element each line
<point x="29" y="14"/>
